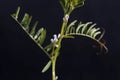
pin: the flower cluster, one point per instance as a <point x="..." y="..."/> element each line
<point x="55" y="38"/>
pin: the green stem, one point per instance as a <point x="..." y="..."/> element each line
<point x="54" y="59"/>
<point x="63" y="28"/>
<point x="55" y="52"/>
<point x="53" y="68"/>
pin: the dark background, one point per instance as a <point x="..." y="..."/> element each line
<point x="21" y="59"/>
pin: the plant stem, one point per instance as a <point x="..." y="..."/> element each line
<point x="54" y="59"/>
<point x="55" y="52"/>
<point x="63" y="28"/>
<point x="53" y="68"/>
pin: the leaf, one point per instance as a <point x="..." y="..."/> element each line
<point x="32" y="32"/>
<point x="29" y="20"/>
<point x="70" y="26"/>
<point x="69" y="5"/>
<point x="46" y="67"/>
<point x="72" y="23"/>
<point x="102" y="34"/>
<point x="62" y="4"/>
<point x="97" y="33"/>
<point x="85" y="27"/>
<point x="38" y="33"/>
<point x="86" y="31"/>
<point x="49" y="47"/>
<point x="16" y="15"/>
<point x="79" y="27"/>
<point x="42" y="37"/>
<point x="93" y="31"/>
<point x="90" y="28"/>
<point x="65" y="5"/>
<point x="72" y="30"/>
<point x="77" y="3"/>
<point x="26" y="21"/>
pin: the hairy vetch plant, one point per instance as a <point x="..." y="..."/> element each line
<point x="70" y="30"/>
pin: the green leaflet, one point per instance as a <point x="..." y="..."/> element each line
<point x="93" y="31"/>
<point x="77" y="3"/>
<point x="42" y="37"/>
<point x="97" y="33"/>
<point x="38" y="33"/>
<point x="49" y="47"/>
<point x="32" y="32"/>
<point x="46" y="67"/>
<point x="71" y="28"/>
<point x="72" y="23"/>
<point x="102" y="34"/>
<point x="85" y="27"/>
<point x="90" y="28"/>
<point x="16" y="15"/>
<point x="78" y="30"/>
<point x="65" y="5"/>
<point x="26" y="21"/>
<point x="69" y="5"/>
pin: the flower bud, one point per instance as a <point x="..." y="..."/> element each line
<point x="66" y="17"/>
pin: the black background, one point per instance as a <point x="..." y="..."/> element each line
<point x="21" y="59"/>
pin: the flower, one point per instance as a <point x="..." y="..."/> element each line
<point x="55" y="38"/>
<point x="66" y="18"/>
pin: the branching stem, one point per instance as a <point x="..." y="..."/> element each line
<point x="55" y="52"/>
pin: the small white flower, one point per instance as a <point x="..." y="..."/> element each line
<point x="56" y="77"/>
<point x="59" y="36"/>
<point x="55" y="38"/>
<point x="66" y="17"/>
<point x="52" y="40"/>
